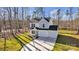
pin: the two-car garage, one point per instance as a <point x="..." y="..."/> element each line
<point x="47" y="33"/>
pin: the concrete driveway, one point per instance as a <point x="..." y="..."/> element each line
<point x="40" y="44"/>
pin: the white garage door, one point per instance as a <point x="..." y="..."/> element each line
<point x="53" y="34"/>
<point x="43" y="33"/>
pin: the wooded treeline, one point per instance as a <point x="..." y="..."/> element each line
<point x="16" y="19"/>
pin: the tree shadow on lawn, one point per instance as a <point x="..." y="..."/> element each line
<point x="67" y="40"/>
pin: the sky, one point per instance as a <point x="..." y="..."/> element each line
<point x="49" y="9"/>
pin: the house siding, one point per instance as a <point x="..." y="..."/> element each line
<point x="36" y="24"/>
<point x="43" y="21"/>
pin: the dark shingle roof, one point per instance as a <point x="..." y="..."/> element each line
<point x="51" y="27"/>
<point x="47" y="19"/>
<point x="37" y="19"/>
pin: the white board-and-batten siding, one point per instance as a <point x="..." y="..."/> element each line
<point x="43" y="21"/>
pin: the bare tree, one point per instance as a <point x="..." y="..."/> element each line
<point x="0" y="23"/>
<point x="23" y="25"/>
<point x="4" y="22"/>
<point x="77" y="21"/>
<point x="27" y="17"/>
<point x="10" y="19"/>
<point x="39" y="12"/>
<point x="16" y="19"/>
<point x="70" y="18"/>
<point x="67" y="13"/>
<point x="58" y="16"/>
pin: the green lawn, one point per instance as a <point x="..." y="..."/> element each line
<point x="67" y="40"/>
<point x="63" y="47"/>
<point x="12" y="44"/>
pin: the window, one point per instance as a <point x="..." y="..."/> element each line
<point x="33" y="32"/>
<point x="43" y="25"/>
<point x="32" y="26"/>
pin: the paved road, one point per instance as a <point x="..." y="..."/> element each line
<point x="40" y="44"/>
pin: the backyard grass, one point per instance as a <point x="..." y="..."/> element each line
<point x="66" y="41"/>
<point x="63" y="47"/>
<point x="12" y="44"/>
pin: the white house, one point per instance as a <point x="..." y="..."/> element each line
<point x="43" y="28"/>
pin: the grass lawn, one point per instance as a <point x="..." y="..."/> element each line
<point x="67" y="40"/>
<point x="12" y="44"/>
